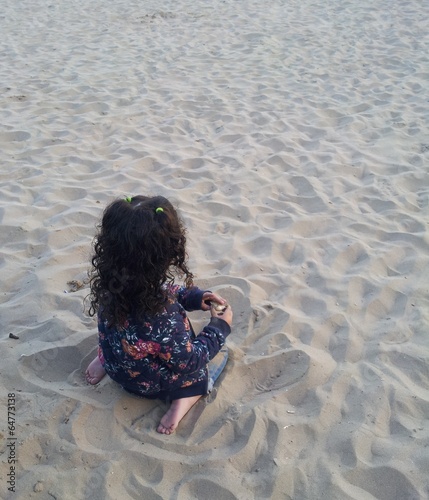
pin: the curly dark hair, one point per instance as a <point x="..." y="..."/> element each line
<point x="137" y="250"/>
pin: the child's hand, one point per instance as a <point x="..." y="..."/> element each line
<point x="209" y="297"/>
<point x="225" y="314"/>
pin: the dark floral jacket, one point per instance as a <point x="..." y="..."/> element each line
<point x="160" y="357"/>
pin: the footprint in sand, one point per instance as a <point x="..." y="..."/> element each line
<point x="60" y="369"/>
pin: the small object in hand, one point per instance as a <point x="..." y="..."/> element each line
<point x="13" y="336"/>
<point x="219" y="307"/>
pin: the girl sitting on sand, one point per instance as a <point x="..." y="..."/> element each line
<point x="146" y="342"/>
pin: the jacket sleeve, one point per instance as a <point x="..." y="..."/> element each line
<point x="183" y="353"/>
<point x="189" y="298"/>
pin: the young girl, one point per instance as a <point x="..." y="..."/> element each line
<point x="146" y="342"/>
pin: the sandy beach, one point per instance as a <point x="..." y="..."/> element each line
<point x="293" y="138"/>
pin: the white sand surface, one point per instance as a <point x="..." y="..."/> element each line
<point x="293" y="137"/>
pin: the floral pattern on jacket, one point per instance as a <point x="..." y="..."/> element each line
<point x="161" y="354"/>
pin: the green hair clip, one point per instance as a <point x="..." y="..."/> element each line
<point x="128" y="199"/>
<point x="158" y="210"/>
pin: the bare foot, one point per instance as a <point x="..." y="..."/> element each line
<point x="178" y="409"/>
<point x="95" y="371"/>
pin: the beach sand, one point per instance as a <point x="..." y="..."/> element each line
<point x="293" y="138"/>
